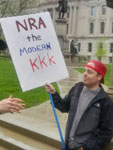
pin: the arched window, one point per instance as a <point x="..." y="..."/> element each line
<point x="67" y="28"/>
<point x="79" y="47"/>
<point x="91" y="28"/>
<point x="102" y="27"/>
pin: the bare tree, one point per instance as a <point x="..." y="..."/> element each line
<point x="3" y="7"/>
<point x="13" y="7"/>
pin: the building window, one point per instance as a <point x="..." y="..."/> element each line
<point x="91" y="28"/>
<point x="89" y="47"/>
<point x="111" y="47"/>
<point x="67" y="28"/>
<point x="103" y="10"/>
<point x="79" y="47"/>
<point x="102" y="27"/>
<point x="110" y="60"/>
<point x="92" y="11"/>
<point x="112" y="27"/>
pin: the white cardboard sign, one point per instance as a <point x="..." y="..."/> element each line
<point x="34" y="49"/>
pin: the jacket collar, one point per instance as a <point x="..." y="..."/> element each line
<point x="101" y="95"/>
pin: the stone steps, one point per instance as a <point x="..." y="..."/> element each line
<point x="14" y="137"/>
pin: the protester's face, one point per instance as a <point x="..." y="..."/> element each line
<point x="91" y="78"/>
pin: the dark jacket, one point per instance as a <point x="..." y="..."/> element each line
<point x="96" y="122"/>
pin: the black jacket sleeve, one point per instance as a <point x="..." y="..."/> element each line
<point x="103" y="134"/>
<point x="61" y="104"/>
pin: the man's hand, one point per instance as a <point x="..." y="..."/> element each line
<point x="50" y="88"/>
<point x="11" y="105"/>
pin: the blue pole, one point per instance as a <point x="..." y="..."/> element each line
<point x="58" y="125"/>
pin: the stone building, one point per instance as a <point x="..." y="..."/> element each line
<point x="88" y="22"/>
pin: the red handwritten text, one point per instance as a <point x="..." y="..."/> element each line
<point x="41" y="62"/>
<point x="30" y="24"/>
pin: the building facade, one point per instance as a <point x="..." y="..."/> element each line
<point x="88" y="22"/>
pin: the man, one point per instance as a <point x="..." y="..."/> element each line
<point x="11" y="105"/>
<point x="90" y="120"/>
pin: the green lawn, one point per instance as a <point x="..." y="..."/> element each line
<point x="9" y="84"/>
<point x="107" y="77"/>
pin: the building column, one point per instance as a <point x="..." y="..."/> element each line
<point x="110" y="90"/>
<point x="70" y="21"/>
<point x="74" y="22"/>
<point x="54" y="15"/>
<point x="108" y="23"/>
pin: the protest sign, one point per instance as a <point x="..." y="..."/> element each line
<point x="34" y="49"/>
